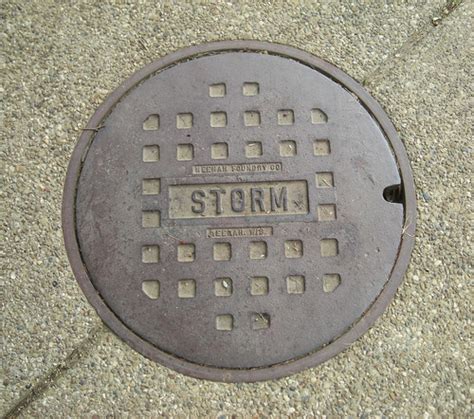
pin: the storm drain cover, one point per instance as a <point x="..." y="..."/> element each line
<point x="239" y="211"/>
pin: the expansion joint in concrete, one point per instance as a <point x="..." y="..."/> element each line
<point x="56" y="372"/>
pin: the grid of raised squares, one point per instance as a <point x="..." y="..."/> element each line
<point x="219" y="119"/>
<point x="258" y="285"/>
<point x="222" y="251"/>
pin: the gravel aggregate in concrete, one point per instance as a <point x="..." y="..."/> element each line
<point x="61" y="60"/>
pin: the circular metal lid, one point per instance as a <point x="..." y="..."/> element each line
<point x="239" y="211"/>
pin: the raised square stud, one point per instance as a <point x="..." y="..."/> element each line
<point x="151" y="219"/>
<point x="293" y="249"/>
<point x="223" y="287"/>
<point x="186" y="252"/>
<point x="184" y="120"/>
<point x="295" y="284"/>
<point x="287" y="148"/>
<point x="251" y="89"/>
<point x="260" y="321"/>
<point x="224" y="322"/>
<point x="321" y="147"/>
<point x="151" y="186"/>
<point x="318" y="116"/>
<point x="324" y="180"/>
<point x="150" y="254"/>
<point x="151" y="153"/>
<point x="151" y="288"/>
<point x="258" y="250"/>
<point x="286" y="117"/>
<point x="186" y="288"/>
<point x="327" y="212"/>
<point x="152" y="123"/>
<point x="329" y="247"/>
<point x="331" y="282"/>
<point x="218" y="119"/>
<point x="217" y="90"/>
<point x="253" y="149"/>
<point x="219" y="151"/>
<point x="222" y="251"/>
<point x="259" y="285"/>
<point x="251" y="118"/>
<point x="184" y="152"/>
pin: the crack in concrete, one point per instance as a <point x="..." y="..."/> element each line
<point x="55" y="373"/>
<point x="411" y="42"/>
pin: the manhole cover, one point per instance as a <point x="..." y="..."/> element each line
<point x="239" y="211"/>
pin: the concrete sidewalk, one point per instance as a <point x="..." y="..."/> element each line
<point x="61" y="60"/>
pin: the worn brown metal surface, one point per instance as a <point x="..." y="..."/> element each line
<point x="229" y="218"/>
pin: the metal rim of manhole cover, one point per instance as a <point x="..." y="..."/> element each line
<point x="239" y="211"/>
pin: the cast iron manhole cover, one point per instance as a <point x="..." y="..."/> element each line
<point x="239" y="211"/>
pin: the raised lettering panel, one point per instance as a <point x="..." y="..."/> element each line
<point x="218" y="233"/>
<point x="231" y="169"/>
<point x="238" y="199"/>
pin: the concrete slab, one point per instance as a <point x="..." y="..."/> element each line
<point x="61" y="60"/>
